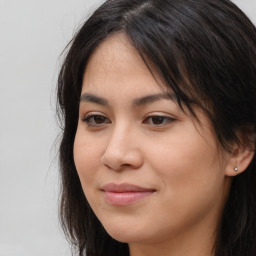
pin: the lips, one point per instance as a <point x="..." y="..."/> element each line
<point x="125" y="194"/>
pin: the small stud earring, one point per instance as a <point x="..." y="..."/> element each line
<point x="236" y="169"/>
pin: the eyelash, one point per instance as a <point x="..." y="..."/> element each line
<point x="164" y="120"/>
<point x="88" y="120"/>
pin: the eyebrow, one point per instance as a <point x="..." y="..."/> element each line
<point x="152" y="98"/>
<point x="86" y="97"/>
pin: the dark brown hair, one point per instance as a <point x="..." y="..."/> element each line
<point x="205" y="51"/>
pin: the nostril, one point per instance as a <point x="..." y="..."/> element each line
<point x="116" y="166"/>
<point x="118" y="161"/>
<point x="126" y="165"/>
<point x="122" y="153"/>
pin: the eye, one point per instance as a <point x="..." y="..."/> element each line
<point x="158" y="120"/>
<point x="95" y="120"/>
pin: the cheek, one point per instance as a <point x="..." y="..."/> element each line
<point x="192" y="181"/>
<point x="182" y="155"/>
<point x="189" y="167"/>
<point x="87" y="162"/>
<point x="86" y="158"/>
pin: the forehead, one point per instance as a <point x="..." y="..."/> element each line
<point x="118" y="63"/>
<point x="115" y="48"/>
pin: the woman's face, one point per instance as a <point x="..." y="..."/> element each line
<point x="148" y="170"/>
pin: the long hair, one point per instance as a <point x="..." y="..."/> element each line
<point x="205" y="51"/>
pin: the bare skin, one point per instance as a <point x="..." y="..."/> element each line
<point x="127" y="136"/>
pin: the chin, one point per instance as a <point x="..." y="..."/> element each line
<point x="130" y="233"/>
<point x="127" y="238"/>
<point x="124" y="233"/>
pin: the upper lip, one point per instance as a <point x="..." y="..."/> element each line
<point x="124" y="187"/>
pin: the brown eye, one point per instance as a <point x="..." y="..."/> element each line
<point x="96" y="120"/>
<point x="99" y="119"/>
<point x="158" y="120"/>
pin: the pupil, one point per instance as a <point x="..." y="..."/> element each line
<point x="99" y="119"/>
<point x="157" y="119"/>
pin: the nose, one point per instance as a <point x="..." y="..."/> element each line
<point x="122" y="151"/>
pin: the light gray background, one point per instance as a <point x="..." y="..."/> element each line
<point x="32" y="36"/>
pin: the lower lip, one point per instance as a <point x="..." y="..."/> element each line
<point x="126" y="198"/>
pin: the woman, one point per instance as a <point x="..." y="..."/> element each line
<point x="158" y="106"/>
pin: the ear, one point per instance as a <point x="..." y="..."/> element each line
<point x="239" y="160"/>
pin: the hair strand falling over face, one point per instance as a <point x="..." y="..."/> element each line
<point x="205" y="52"/>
